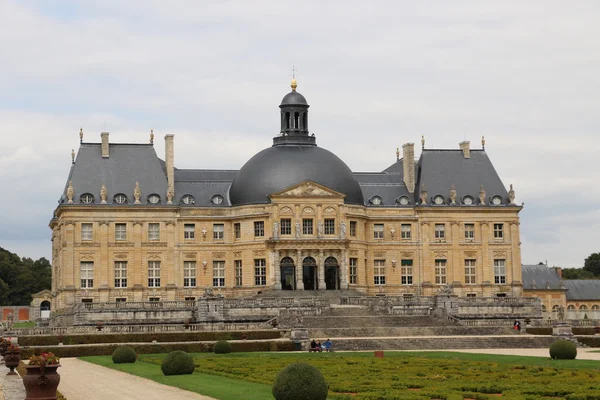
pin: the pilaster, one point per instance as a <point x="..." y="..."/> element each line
<point x="277" y="269"/>
<point x="299" y="271"/>
<point x="321" y="270"/>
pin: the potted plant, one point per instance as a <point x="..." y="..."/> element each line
<point x="12" y="356"/>
<point x="99" y="326"/>
<point x="42" y="379"/>
<point x="4" y="343"/>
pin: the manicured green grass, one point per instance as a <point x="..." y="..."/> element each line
<point x="24" y="324"/>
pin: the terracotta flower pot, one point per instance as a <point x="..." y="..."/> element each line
<point x="11" y="360"/>
<point x="41" y="382"/>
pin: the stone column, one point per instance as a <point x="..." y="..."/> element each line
<point x="321" y="270"/>
<point x="299" y="278"/>
<point x="344" y="270"/>
<point x="276" y="269"/>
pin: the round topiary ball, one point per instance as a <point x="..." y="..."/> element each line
<point x="177" y="363"/>
<point x="300" y="381"/>
<point x="124" y="355"/>
<point x="563" y="350"/>
<point x="222" y="347"/>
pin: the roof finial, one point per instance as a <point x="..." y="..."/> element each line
<point x="80" y="135"/>
<point x="294" y="85"/>
<point x="422" y="142"/>
<point x="397" y="153"/>
<point x="73" y="156"/>
<point x="151" y="136"/>
<point x="483" y="143"/>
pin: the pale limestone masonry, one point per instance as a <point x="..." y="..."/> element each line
<point x="408" y="160"/>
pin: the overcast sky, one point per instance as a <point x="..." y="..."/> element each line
<point x="377" y="74"/>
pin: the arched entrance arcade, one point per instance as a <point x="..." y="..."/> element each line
<point x="288" y="273"/>
<point x="309" y="274"/>
<point x="332" y="274"/>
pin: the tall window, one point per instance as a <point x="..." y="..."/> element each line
<point x="120" y="231"/>
<point x="440" y="272"/>
<point x="87" y="231"/>
<point x="219" y="273"/>
<point x="498" y="231"/>
<point x="218" y="231"/>
<point x="499" y="271"/>
<point x="237" y="230"/>
<point x="379" y="272"/>
<point x="260" y="272"/>
<point x="470" y="272"/>
<point x="353" y="270"/>
<point x="189" y="231"/>
<point x="153" y="231"/>
<point x="86" y="274"/>
<point x="353" y="228"/>
<point x="238" y="272"/>
<point x="259" y="228"/>
<point x="120" y="274"/>
<point x="286" y="226"/>
<point x="154" y="274"/>
<point x="469" y="231"/>
<point x="189" y="274"/>
<point x="329" y="226"/>
<point x="378" y="231"/>
<point x="307" y="226"/>
<point x="406" y="231"/>
<point x="406" y="272"/>
<point x="440" y="232"/>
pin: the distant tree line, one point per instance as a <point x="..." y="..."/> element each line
<point x="590" y="270"/>
<point x="20" y="278"/>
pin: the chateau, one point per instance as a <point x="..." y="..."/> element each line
<point x="131" y="227"/>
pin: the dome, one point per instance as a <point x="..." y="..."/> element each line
<point x="294" y="98"/>
<point x="279" y="167"/>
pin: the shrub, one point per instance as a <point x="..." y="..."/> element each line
<point x="124" y="355"/>
<point x="177" y="363"/>
<point x="563" y="350"/>
<point x="299" y="381"/>
<point x="222" y="347"/>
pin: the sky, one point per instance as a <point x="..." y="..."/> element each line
<point x="377" y="74"/>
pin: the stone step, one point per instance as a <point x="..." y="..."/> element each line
<point x="328" y="321"/>
<point x="410" y="331"/>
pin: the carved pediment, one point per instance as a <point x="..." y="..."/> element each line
<point x="307" y="189"/>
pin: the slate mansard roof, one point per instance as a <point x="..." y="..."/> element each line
<point x="540" y="277"/>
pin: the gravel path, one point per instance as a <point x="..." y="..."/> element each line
<point x="81" y="380"/>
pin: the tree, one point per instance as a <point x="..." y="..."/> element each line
<point x="3" y="292"/>
<point x="576" y="273"/>
<point x="20" y="278"/>
<point x="592" y="264"/>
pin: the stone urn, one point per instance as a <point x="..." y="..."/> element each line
<point x="41" y="381"/>
<point x="3" y="347"/>
<point x="11" y="360"/>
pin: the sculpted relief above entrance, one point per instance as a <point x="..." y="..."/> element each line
<point x="307" y="189"/>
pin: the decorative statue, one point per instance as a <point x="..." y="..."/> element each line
<point x="482" y="196"/>
<point x="72" y="156"/>
<point x="446" y="290"/>
<point x="70" y="193"/>
<point x="423" y="194"/>
<point x="10" y="319"/>
<point x="561" y="313"/>
<point x="511" y="195"/>
<point x="103" y="194"/>
<point x="298" y="229"/>
<point x="80" y="135"/>
<point x="137" y="193"/>
<point x="343" y="230"/>
<point x="170" y="196"/>
<point x="151" y="136"/>
<point x="320" y="228"/>
<point x="452" y="195"/>
<point x="275" y="230"/>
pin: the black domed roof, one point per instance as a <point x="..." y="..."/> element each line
<point x="294" y="98"/>
<point x="279" y="167"/>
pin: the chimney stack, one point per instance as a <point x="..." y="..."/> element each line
<point x="408" y="163"/>
<point x="105" y="151"/>
<point x="466" y="148"/>
<point x="169" y="160"/>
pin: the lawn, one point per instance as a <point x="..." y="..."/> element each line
<point x="24" y="324"/>
<point x="400" y="375"/>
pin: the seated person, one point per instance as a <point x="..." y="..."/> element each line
<point x="319" y="345"/>
<point x="314" y="347"/>
<point x="328" y="345"/>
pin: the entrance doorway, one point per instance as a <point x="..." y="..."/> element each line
<point x="332" y="274"/>
<point x="288" y="274"/>
<point x="45" y="309"/>
<point x="309" y="273"/>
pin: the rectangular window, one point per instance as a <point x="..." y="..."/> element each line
<point x="238" y="272"/>
<point x="471" y="295"/>
<point x="154" y="299"/>
<point x="440" y="232"/>
<point x="189" y="299"/>
<point x="154" y="274"/>
<point x="87" y="231"/>
<point x="120" y="274"/>
<point x="285" y="226"/>
<point x="189" y="274"/>
<point x="440" y="272"/>
<point x="121" y="300"/>
<point x="406" y="231"/>
<point x="407" y="297"/>
<point x="329" y="226"/>
<point x="237" y="230"/>
<point x="353" y="270"/>
<point x="469" y="231"/>
<point x="378" y="231"/>
<point x="307" y="226"/>
<point x="260" y="272"/>
<point x="470" y="272"/>
<point x="86" y="274"/>
<point x="153" y="231"/>
<point x="498" y="231"/>
<point x="379" y="272"/>
<point x="353" y="228"/>
<point x="406" y="272"/>
<point x="499" y="271"/>
<point x="259" y="228"/>
<point x="218" y="273"/>
<point x="189" y="231"/>
<point x="218" y="231"/>
<point x="120" y="231"/>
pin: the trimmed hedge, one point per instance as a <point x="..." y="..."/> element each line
<point x="563" y="350"/>
<point x="222" y="347"/>
<point x="96" y="338"/>
<point x="124" y="355"/>
<point x="592" y="341"/>
<point x="177" y="363"/>
<point x="577" y="330"/>
<point x="300" y="381"/>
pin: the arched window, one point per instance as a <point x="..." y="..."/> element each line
<point x="187" y="199"/>
<point x="571" y="308"/>
<point x="154" y="199"/>
<point x="582" y="307"/>
<point x="287" y="120"/>
<point x="120" y="198"/>
<point x="595" y="307"/>
<point x="555" y="308"/>
<point x="86" y="198"/>
<point x="544" y="309"/>
<point x="296" y="120"/>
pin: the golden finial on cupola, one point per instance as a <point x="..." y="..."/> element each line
<point x="422" y="142"/>
<point x="151" y="136"/>
<point x="483" y="142"/>
<point x="80" y="135"/>
<point x="294" y="84"/>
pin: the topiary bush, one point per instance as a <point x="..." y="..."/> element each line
<point x="300" y="381"/>
<point x="563" y="350"/>
<point x="124" y="355"/>
<point x="177" y="363"/>
<point x="222" y="347"/>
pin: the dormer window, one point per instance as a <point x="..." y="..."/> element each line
<point x="187" y="199"/>
<point x="154" y="199"/>
<point x="376" y="201"/>
<point x="86" y="198"/>
<point x="402" y="200"/>
<point x="496" y="200"/>
<point x="217" y="199"/>
<point x="467" y="200"/>
<point x="439" y="200"/>
<point x="120" y="198"/>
